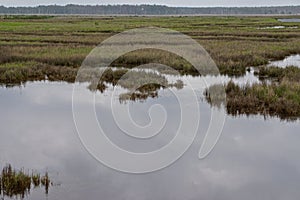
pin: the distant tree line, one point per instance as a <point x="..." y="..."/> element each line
<point x="147" y="10"/>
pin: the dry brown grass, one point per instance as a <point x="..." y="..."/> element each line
<point x="282" y="100"/>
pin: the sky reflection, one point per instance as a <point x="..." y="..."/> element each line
<point x="254" y="158"/>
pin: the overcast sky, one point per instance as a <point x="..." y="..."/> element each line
<point x="199" y="3"/>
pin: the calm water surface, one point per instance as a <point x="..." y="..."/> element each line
<point x="254" y="158"/>
<point x="293" y="60"/>
<point x="289" y="20"/>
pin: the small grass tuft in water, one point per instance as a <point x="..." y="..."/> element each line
<point x="18" y="183"/>
<point x="45" y="181"/>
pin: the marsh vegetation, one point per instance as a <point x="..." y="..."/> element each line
<point x="278" y="94"/>
<point x="65" y="41"/>
<point x="39" y="115"/>
<point x="282" y="100"/>
<point x="53" y="48"/>
<point x="18" y="183"/>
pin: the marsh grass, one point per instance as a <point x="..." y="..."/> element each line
<point x="233" y="57"/>
<point x="282" y="99"/>
<point x="235" y="43"/>
<point x="36" y="179"/>
<point x="45" y="181"/>
<point x="18" y="183"/>
<point x="141" y="57"/>
<point x="53" y="48"/>
<point x="17" y="73"/>
<point x="290" y="73"/>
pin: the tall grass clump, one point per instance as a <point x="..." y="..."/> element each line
<point x="282" y="100"/>
<point x="18" y="183"/>
<point x="17" y="73"/>
<point x="290" y="73"/>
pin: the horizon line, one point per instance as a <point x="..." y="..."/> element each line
<point x="64" y="5"/>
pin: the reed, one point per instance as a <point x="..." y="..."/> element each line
<point x="18" y="183"/>
<point x="281" y="99"/>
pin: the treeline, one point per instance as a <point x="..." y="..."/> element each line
<point x="147" y="10"/>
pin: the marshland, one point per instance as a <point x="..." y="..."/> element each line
<point x="257" y="153"/>
<point x="53" y="48"/>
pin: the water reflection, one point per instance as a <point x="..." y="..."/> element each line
<point x="255" y="158"/>
<point x="293" y="60"/>
<point x="289" y="20"/>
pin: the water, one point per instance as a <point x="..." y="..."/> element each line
<point x="254" y="158"/>
<point x="289" y="20"/>
<point x="272" y="27"/>
<point x="278" y="27"/>
<point x="249" y="78"/>
<point x="293" y="60"/>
